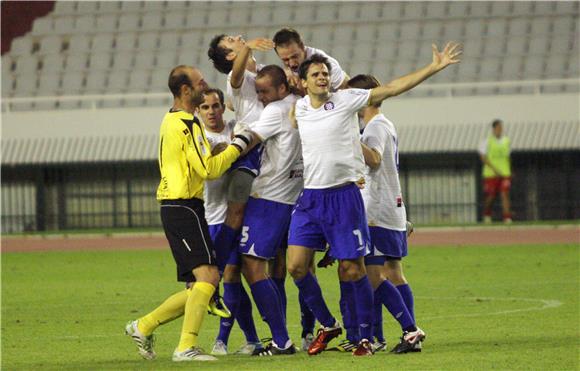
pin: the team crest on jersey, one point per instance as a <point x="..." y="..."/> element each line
<point x="328" y="106"/>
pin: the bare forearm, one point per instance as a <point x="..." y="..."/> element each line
<point x="372" y="158"/>
<point x="402" y="84"/>
<point x="239" y="67"/>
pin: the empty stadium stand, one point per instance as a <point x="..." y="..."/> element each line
<point x="88" y="47"/>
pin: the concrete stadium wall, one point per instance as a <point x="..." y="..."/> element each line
<point x="402" y="111"/>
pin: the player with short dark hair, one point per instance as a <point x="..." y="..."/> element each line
<point x="292" y="52"/>
<point x="185" y="162"/>
<point x="219" y="135"/>
<point x="331" y="209"/>
<point x="274" y="193"/>
<point x="387" y="220"/>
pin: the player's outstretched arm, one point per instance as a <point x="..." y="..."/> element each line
<point x="449" y="55"/>
<point x="242" y="58"/>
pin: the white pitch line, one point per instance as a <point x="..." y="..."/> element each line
<point x="546" y="304"/>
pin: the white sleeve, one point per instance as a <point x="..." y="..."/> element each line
<point x="376" y="137"/>
<point x="269" y="124"/>
<point x="246" y="89"/>
<point x="483" y="148"/>
<point x="337" y="75"/>
<point x="355" y="99"/>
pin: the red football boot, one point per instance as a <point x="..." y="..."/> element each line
<point x="323" y="337"/>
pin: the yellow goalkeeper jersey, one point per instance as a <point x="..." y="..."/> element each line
<point x="185" y="159"/>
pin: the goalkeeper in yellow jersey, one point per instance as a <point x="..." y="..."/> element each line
<point x="185" y="162"/>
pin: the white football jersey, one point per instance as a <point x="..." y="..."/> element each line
<point x="247" y="107"/>
<point x="337" y="75"/>
<point x="215" y="191"/>
<point x="330" y="139"/>
<point x="281" y="168"/>
<point x="382" y="193"/>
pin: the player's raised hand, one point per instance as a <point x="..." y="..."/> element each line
<point x="449" y="55"/>
<point x="261" y="44"/>
<point x="294" y="82"/>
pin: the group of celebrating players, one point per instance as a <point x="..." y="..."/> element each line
<point x="291" y="175"/>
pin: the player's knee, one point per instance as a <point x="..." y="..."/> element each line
<point x="351" y="270"/>
<point x="231" y="274"/>
<point x="297" y="270"/>
<point x="235" y="215"/>
<point x="207" y="273"/>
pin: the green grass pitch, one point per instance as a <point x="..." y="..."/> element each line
<point x="512" y="307"/>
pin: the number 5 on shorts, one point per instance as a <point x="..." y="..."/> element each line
<point x="245" y="234"/>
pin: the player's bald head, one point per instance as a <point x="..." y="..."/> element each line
<point x="179" y="76"/>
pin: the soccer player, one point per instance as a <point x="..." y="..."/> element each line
<point x="219" y="135"/>
<point x="387" y="220"/>
<point x="185" y="161"/>
<point x="497" y="171"/>
<point x="274" y="194"/>
<point x="331" y="209"/>
<point x="292" y="51"/>
<point x="234" y="56"/>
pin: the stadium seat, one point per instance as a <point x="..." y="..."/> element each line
<point x="258" y="15"/>
<point x="435" y="10"/>
<point x="72" y="83"/>
<point x="125" y="41"/>
<point x="366" y="33"/>
<point x="99" y="61"/>
<point x="42" y="26"/>
<point x="128" y="21"/>
<point x="26" y="65"/>
<point x="175" y="20"/>
<point x="147" y="41"/>
<point x="154" y="6"/>
<point x="50" y="44"/>
<point x="8" y="85"/>
<point x="159" y="79"/>
<point x="501" y="8"/>
<point x="516" y="45"/>
<point x="533" y="68"/>
<point x="109" y="7"/>
<point x="567" y="7"/>
<point x="117" y="82"/>
<point x="474" y="28"/>
<point x="107" y="22"/>
<point x="87" y="7"/>
<point x="453" y="30"/>
<point x="138" y="80"/>
<point x="78" y="43"/>
<point x="195" y="19"/>
<point x="96" y="81"/>
<point x="21" y="46"/>
<point x="362" y="53"/>
<point x="490" y="69"/>
<point x="326" y="12"/>
<point x="496" y="27"/>
<point x="410" y="31"/>
<point x="540" y="26"/>
<point x="348" y="11"/>
<point x="169" y="40"/>
<point x="494" y="47"/>
<point x="538" y="45"/>
<point x="561" y="45"/>
<point x="389" y="10"/>
<point x="131" y="6"/>
<point x="479" y="8"/>
<point x="432" y="30"/>
<point x="25" y="85"/>
<point x="519" y="27"/>
<point x="48" y="84"/>
<point x="84" y="24"/>
<point x="343" y="34"/>
<point x="165" y="60"/>
<point x="123" y="60"/>
<point x="52" y="63"/>
<point x="522" y="8"/>
<point x="192" y="39"/>
<point x="284" y="13"/>
<point x="176" y="5"/>
<point x="145" y="59"/>
<point x="544" y="7"/>
<point x="152" y="21"/>
<point x="303" y="15"/>
<point x="414" y="9"/>
<point x="64" y="25"/>
<point x="457" y="9"/>
<point x="102" y="42"/>
<point x="76" y="62"/>
<point x="564" y="25"/>
<point x="65" y="7"/>
<point x="556" y="66"/>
